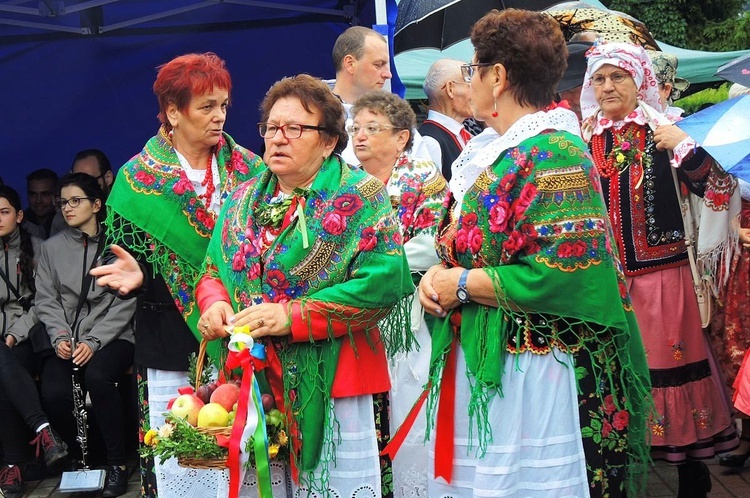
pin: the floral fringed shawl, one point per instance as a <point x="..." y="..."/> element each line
<point x="154" y="212"/>
<point x="418" y="195"/>
<point x="535" y="222"/>
<point x="338" y="251"/>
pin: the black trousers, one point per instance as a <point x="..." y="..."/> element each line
<point x="20" y="408"/>
<point x="100" y="376"/>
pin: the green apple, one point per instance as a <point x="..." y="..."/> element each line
<point x="187" y="406"/>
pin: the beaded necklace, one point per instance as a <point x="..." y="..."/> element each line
<point x="208" y="181"/>
<point x="627" y="149"/>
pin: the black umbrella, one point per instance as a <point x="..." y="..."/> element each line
<point x="441" y="23"/>
<point x="736" y="71"/>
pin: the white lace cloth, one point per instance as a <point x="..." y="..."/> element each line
<point x="536" y="449"/>
<point x="484" y="149"/>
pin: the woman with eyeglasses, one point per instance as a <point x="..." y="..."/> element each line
<point x="161" y="213"/>
<point x="88" y="327"/>
<point x="20" y="408"/>
<point x="538" y="381"/>
<point x="382" y="137"/>
<point x="619" y="101"/>
<point x="309" y="256"/>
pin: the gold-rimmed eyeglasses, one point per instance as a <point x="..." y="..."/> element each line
<point x="370" y="128"/>
<point x="616" y="78"/>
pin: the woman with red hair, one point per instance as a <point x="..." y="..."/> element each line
<point x="163" y="208"/>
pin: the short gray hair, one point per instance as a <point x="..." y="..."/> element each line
<point x="351" y="42"/>
<point x="736" y="90"/>
<point x="441" y="71"/>
<point x="397" y="110"/>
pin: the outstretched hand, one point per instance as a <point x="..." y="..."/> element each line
<point x="124" y="275"/>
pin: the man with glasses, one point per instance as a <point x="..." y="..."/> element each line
<point x="94" y="163"/>
<point x="449" y="98"/>
<point x="41" y="186"/>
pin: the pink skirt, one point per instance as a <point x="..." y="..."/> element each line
<point x="692" y="419"/>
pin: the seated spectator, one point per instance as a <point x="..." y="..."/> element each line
<point x="40" y="190"/>
<point x="94" y="163"/>
<point x="20" y="408"/>
<point x="449" y="98"/>
<point x="100" y="324"/>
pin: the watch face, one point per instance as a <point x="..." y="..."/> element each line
<point x="462" y="294"/>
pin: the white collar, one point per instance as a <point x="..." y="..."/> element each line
<point x="453" y="126"/>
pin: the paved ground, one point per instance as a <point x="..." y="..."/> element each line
<point x="662" y="484"/>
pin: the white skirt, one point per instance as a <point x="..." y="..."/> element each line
<point x="536" y="448"/>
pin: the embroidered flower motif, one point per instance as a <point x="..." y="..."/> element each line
<point x="145" y="178"/>
<point x="499" y="217"/>
<point x="347" y="204"/>
<point x="334" y="223"/>
<point x="368" y="240"/>
<point x="182" y="185"/>
<point x="609" y="405"/>
<point x="528" y="192"/>
<point x="678" y="350"/>
<point x="620" y="420"/>
<point x="238" y="261"/>
<point x="277" y="280"/>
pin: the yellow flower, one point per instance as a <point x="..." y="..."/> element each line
<point x="273" y="450"/>
<point x="283" y="439"/>
<point x="620" y="157"/>
<point x="150" y="438"/>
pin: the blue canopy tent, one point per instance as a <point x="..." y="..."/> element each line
<point x="78" y="74"/>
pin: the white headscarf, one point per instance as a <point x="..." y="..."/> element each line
<point x="631" y="58"/>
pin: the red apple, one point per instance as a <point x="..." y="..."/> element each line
<point x="204" y="393"/>
<point x="268" y="401"/>
<point x="226" y="395"/>
<point x="187" y="406"/>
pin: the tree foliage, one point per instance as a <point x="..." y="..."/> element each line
<point x="716" y="25"/>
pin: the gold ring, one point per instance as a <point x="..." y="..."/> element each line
<point x="261" y="322"/>
<point x="205" y="326"/>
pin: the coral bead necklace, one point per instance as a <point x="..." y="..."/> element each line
<point x="627" y="149"/>
<point x="208" y="181"/>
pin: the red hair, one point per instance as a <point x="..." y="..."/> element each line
<point x="187" y="75"/>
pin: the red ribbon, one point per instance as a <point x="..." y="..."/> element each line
<point x="249" y="363"/>
<point x="445" y="426"/>
<point x="404" y="429"/>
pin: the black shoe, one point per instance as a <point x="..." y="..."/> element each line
<point x="54" y="448"/>
<point x="117" y="482"/>
<point x="735" y="460"/>
<point x="11" y="483"/>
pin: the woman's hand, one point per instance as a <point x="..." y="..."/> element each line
<point x="745" y="237"/>
<point x="124" y="275"/>
<point x="63" y="350"/>
<point x="429" y="296"/>
<point x="82" y="354"/>
<point x="445" y="284"/>
<point x="10" y="341"/>
<point x="264" y="319"/>
<point x="668" y="137"/>
<point x="213" y="322"/>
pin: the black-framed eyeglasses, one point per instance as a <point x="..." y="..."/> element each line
<point x="290" y="131"/>
<point x="73" y="202"/>
<point x="370" y="128"/>
<point x="616" y="78"/>
<point x="468" y="70"/>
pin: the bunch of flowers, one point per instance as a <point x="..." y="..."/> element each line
<point x="278" y="440"/>
<point x="177" y="438"/>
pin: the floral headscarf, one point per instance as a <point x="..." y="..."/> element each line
<point x="631" y="58"/>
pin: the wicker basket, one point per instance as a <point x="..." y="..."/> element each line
<point x="198" y="463"/>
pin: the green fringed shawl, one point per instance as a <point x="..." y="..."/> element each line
<point x="353" y="266"/>
<point x="537" y="225"/>
<point x="154" y="211"/>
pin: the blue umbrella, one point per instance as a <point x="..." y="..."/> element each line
<point x="723" y="130"/>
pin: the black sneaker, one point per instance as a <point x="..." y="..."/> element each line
<point x="117" y="482"/>
<point x="10" y="481"/>
<point x="54" y="448"/>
